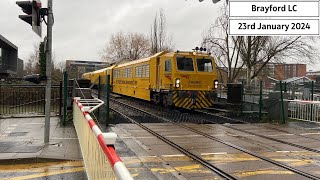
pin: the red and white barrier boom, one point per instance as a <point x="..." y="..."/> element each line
<point x="97" y="148"/>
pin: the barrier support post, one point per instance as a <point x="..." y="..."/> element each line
<point x="282" y="105"/>
<point x="107" y="101"/>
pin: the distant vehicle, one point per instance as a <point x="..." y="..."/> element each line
<point x="179" y="79"/>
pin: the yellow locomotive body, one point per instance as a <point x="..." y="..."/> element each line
<point x="180" y="79"/>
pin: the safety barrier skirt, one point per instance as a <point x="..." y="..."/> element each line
<point x="100" y="158"/>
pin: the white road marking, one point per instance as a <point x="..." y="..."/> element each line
<point x="205" y="154"/>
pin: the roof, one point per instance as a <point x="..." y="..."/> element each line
<point x="139" y="60"/>
<point x="273" y="79"/>
<point x="5" y="43"/>
<point x="296" y="79"/>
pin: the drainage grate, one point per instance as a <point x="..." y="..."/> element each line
<point x="14" y="134"/>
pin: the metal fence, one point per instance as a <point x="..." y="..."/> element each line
<point x="28" y="99"/>
<point x="304" y="110"/>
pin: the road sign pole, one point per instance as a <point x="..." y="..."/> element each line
<point x="48" y="73"/>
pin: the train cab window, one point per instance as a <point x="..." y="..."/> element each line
<point x="185" y="64"/>
<point x="204" y="65"/>
<point x="167" y="66"/>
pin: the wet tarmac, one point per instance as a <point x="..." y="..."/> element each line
<point x="148" y="157"/>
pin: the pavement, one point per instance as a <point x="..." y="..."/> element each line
<point x="24" y="138"/>
<point x="24" y="155"/>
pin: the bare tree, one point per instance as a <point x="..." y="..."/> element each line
<point x="159" y="39"/>
<point x="129" y="46"/>
<point x="32" y="63"/>
<point x="257" y="51"/>
<point x="254" y="52"/>
<point x="225" y="48"/>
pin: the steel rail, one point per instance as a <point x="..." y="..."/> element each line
<point x="266" y="137"/>
<point x="181" y="149"/>
<point x="305" y="174"/>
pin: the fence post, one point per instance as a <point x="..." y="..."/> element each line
<point x="1" y="101"/>
<point x="65" y="93"/>
<point x="260" y="102"/>
<point x="282" y="105"/>
<point x="44" y="100"/>
<point x="107" y="100"/>
<point x="243" y="96"/>
<point x="220" y="92"/>
<point x="285" y="86"/>
<point x="99" y="91"/>
<point x="311" y="109"/>
<point x="312" y="89"/>
<point x="60" y="99"/>
<point x="99" y="84"/>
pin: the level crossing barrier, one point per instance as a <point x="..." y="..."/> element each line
<point x="304" y="110"/>
<point x="100" y="158"/>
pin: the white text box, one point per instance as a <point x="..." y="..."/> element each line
<point x="274" y="9"/>
<point x="273" y="27"/>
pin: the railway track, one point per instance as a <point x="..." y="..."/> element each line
<point x="265" y="137"/>
<point x="198" y="158"/>
<point x="195" y="157"/>
<point x="217" y="119"/>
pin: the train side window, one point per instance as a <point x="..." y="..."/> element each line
<point x="138" y="71"/>
<point x="116" y="73"/>
<point x="124" y="73"/>
<point x="167" y="66"/>
<point x="146" y="70"/>
<point x="129" y="72"/>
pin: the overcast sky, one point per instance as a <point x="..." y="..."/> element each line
<point x="83" y="27"/>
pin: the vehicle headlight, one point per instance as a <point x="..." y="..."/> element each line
<point x="177" y="83"/>
<point x="216" y="84"/>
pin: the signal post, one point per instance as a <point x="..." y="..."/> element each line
<point x="34" y="15"/>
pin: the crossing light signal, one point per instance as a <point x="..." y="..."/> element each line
<point x="32" y="17"/>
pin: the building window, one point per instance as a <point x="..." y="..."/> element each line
<point x="287" y="71"/>
<point x="167" y="66"/>
<point x="271" y="70"/>
<point x="294" y="74"/>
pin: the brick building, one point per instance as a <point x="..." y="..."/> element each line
<point x="279" y="71"/>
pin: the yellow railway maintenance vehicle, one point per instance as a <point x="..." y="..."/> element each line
<point x="179" y="79"/>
